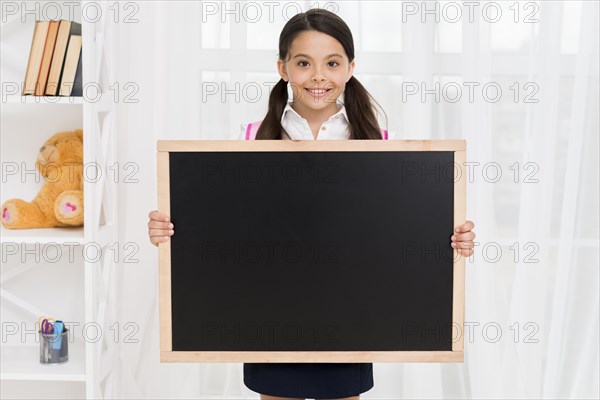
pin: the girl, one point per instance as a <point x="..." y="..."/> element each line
<point x="316" y="58"/>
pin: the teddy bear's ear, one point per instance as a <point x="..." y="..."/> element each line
<point x="66" y="135"/>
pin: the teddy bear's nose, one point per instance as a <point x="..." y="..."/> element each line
<point x="42" y="148"/>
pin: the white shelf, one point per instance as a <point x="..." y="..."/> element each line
<point x="23" y="363"/>
<point x="27" y="122"/>
<point x="42" y="236"/>
<point x="44" y="100"/>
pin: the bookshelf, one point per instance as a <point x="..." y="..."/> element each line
<point x="46" y="271"/>
<point x="16" y="367"/>
<point x="43" y="100"/>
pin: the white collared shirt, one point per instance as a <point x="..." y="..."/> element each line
<point x="337" y="127"/>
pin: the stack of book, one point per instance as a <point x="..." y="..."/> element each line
<point x="54" y="67"/>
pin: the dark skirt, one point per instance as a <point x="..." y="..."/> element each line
<point x="309" y="380"/>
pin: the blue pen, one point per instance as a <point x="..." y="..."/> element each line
<point x="58" y="330"/>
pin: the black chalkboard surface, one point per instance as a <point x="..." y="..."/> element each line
<point x="333" y="251"/>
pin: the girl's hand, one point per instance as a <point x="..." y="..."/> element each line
<point x="159" y="227"/>
<point x="462" y="238"/>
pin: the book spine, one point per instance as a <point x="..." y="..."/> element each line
<point x="40" y="88"/>
<point x="35" y="57"/>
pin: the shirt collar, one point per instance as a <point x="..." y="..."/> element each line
<point x="288" y="108"/>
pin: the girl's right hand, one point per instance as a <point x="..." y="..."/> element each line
<point x="160" y="228"/>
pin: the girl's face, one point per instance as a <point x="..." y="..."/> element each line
<point x="317" y="69"/>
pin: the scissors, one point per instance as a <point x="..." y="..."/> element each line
<point x="47" y="325"/>
<point x="50" y="319"/>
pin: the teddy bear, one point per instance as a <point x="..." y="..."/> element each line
<point x="59" y="203"/>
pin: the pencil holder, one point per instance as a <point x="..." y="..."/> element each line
<point x="54" y="348"/>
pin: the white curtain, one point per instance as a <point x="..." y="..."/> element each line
<point x="532" y="290"/>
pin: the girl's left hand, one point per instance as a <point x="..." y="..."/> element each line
<point x="462" y="238"/>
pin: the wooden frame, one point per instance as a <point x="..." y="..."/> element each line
<point x="166" y="353"/>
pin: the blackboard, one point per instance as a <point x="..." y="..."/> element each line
<point x="324" y="251"/>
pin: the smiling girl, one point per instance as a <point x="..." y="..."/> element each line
<point x="316" y="59"/>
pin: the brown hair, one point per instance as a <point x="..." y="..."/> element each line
<point x="358" y="101"/>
